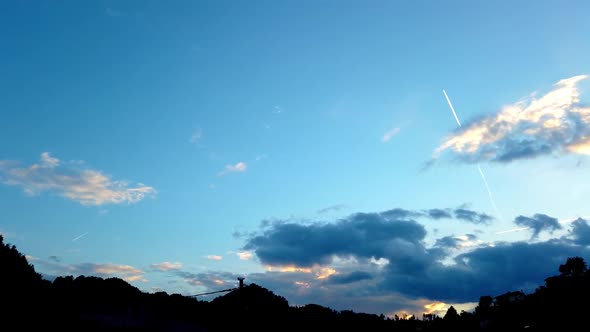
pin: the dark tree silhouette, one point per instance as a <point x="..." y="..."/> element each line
<point x="573" y="266"/>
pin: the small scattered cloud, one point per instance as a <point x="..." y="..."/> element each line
<point x="389" y="134"/>
<point x="240" y="167"/>
<point x="332" y="208"/>
<point x="214" y="257"/>
<point x="85" y="186"/>
<point x="555" y="123"/>
<point x="167" y="266"/>
<point x="48" y="161"/>
<point x="472" y="216"/>
<point x="196" y="136"/>
<point x="457" y="242"/>
<point x="439" y="213"/>
<point x="56" y="259"/>
<point x="277" y="109"/>
<point x="261" y="157"/>
<point x="244" y="255"/>
<point x="538" y="223"/>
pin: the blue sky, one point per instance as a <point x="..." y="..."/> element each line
<point x="180" y="145"/>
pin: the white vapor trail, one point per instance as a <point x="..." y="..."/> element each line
<point x="483" y="177"/>
<point x="79" y="237"/>
<point x="520" y="229"/>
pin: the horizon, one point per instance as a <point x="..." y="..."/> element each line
<point x="383" y="157"/>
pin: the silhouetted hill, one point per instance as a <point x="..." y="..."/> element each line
<point x="96" y="304"/>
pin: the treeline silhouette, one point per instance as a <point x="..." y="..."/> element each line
<point x="95" y="304"/>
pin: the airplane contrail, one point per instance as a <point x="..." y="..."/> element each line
<point x="79" y="237"/>
<point x="483" y="177"/>
<point x="520" y="229"/>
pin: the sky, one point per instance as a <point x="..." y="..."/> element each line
<point x="304" y="145"/>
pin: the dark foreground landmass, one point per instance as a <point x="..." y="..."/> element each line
<point x="30" y="303"/>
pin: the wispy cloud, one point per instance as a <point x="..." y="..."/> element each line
<point x="214" y="257"/>
<point x="277" y="109"/>
<point x="196" y="136"/>
<point x="389" y="134"/>
<point x="237" y="168"/>
<point x="167" y="266"/>
<point x="554" y="123"/>
<point x="336" y="207"/>
<point x="69" y="180"/>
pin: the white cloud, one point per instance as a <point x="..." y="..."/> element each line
<point x="48" y="161"/>
<point x="388" y="135"/>
<point x="167" y="266"/>
<point x="86" y="186"/>
<point x="244" y="255"/>
<point x="553" y="123"/>
<point x="237" y="168"/>
<point x="214" y="257"/>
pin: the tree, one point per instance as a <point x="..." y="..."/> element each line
<point x="573" y="266"/>
<point x="451" y="314"/>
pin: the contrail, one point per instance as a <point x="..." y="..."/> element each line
<point x="520" y="229"/>
<point x="483" y="177"/>
<point x="79" y="237"/>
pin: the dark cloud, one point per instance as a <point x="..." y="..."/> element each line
<point x="472" y="216"/>
<point x="362" y="235"/>
<point x="397" y="213"/>
<point x="414" y="270"/>
<point x="484" y="271"/>
<point x="350" y="277"/>
<point x="537" y="223"/>
<point x="453" y="241"/>
<point x="56" y="259"/>
<point x="580" y="232"/>
<point x="438" y="213"/>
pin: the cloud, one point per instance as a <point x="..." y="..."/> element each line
<point x="580" y="232"/>
<point x="351" y="277"/>
<point x="472" y="216"/>
<point x="56" y="259"/>
<point x="85" y="186"/>
<point x="456" y="242"/>
<point x="537" y="223"/>
<point x="237" y="168"/>
<point x="553" y="123"/>
<point x="208" y="281"/>
<point x="167" y="266"/>
<point x="331" y="208"/>
<point x="363" y="235"/>
<point x="244" y="255"/>
<point x="48" y="161"/>
<point x="389" y="134"/>
<point x="104" y="270"/>
<point x="413" y="270"/>
<point x="438" y="213"/>
<point x="196" y="136"/>
<point x="214" y="257"/>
